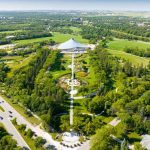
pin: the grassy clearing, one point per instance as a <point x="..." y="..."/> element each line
<point x="78" y="105"/>
<point x="75" y="30"/>
<point x="120" y="44"/>
<point x="22" y="111"/>
<point x="57" y="37"/>
<point x="2" y="109"/>
<point x="136" y="60"/>
<point x="16" y="62"/>
<point x="58" y="74"/>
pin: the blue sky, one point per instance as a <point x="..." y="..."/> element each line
<point x="75" y="5"/>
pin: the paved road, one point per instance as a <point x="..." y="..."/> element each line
<point x="36" y="129"/>
<point x="12" y="130"/>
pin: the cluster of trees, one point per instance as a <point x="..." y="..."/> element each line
<point x="124" y="35"/>
<point x="28" y="133"/>
<point x="94" y="33"/>
<point x="3" y="53"/>
<point x="6" y="141"/>
<point x="138" y="52"/>
<point x="35" y="87"/>
<point x="116" y="26"/>
<point x="23" y="35"/>
<point x="122" y="90"/>
<point x="84" y="124"/>
<point x="3" y="71"/>
<point x="103" y="141"/>
<point x="31" y="35"/>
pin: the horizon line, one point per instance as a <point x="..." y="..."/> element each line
<point x="76" y="10"/>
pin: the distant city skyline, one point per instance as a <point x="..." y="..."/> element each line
<point x="133" y="5"/>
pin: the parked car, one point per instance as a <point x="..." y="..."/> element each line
<point x="10" y="112"/>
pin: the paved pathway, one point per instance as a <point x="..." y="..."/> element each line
<point x="12" y="130"/>
<point x="115" y="122"/>
<point x="36" y="129"/>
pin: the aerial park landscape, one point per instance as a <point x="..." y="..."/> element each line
<point x="74" y="75"/>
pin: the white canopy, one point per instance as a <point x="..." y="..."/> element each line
<point x="71" y="44"/>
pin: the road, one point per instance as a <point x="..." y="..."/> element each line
<point x="12" y="130"/>
<point x="36" y="129"/>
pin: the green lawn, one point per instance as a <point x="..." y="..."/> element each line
<point x="2" y="109"/>
<point x="21" y="110"/>
<point x="78" y="105"/>
<point x="75" y="29"/>
<point x="136" y="60"/>
<point x="120" y="44"/>
<point x="57" y="37"/>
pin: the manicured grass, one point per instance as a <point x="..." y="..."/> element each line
<point x="1" y="125"/>
<point x="75" y="29"/>
<point x="120" y="44"/>
<point x="2" y="109"/>
<point x="58" y="74"/>
<point x="21" y="111"/>
<point x="78" y="105"/>
<point x="136" y="60"/>
<point x="107" y="119"/>
<point x="57" y="37"/>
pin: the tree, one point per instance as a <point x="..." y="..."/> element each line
<point x="22" y="127"/>
<point x="102" y="140"/>
<point x="29" y="133"/>
<point x="39" y="142"/>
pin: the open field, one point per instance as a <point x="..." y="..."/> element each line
<point x="120" y="44"/>
<point x="57" y="37"/>
<point x="136" y="60"/>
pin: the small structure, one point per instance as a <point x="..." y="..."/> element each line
<point x="146" y="141"/>
<point x="80" y="20"/>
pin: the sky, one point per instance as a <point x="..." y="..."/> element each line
<point x="134" y="5"/>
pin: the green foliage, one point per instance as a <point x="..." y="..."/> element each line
<point x="39" y="142"/>
<point x="3" y="71"/>
<point x="6" y="141"/>
<point x="102" y="140"/>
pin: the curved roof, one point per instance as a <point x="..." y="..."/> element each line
<point x="71" y="44"/>
<point x="146" y="141"/>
